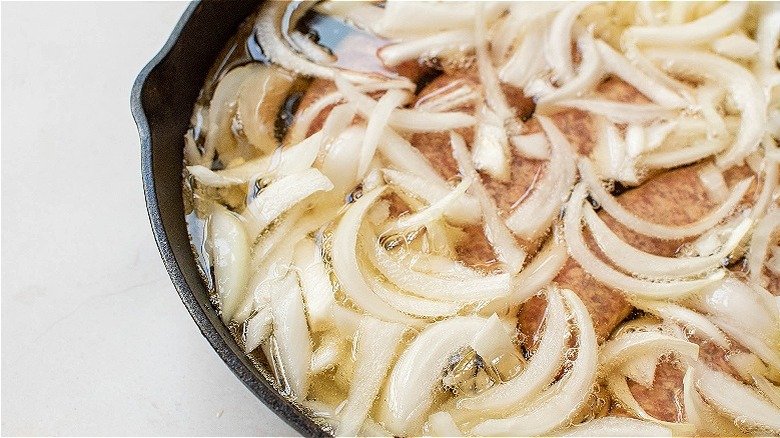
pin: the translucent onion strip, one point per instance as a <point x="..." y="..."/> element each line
<point x="616" y="352"/>
<point x="430" y="213"/>
<point x="376" y="347"/>
<point x="534" y="216"/>
<point x="589" y="72"/>
<point x="704" y="29"/>
<point x="499" y="236"/>
<point x="558" y="42"/>
<point x="410" y="304"/>
<point x="542" y="367"/>
<point x="458" y="40"/>
<point x="557" y="409"/>
<point x="258" y="328"/>
<point x="376" y="123"/>
<point x="292" y="335"/>
<point x="759" y="246"/>
<point x="618" y="426"/>
<point x="617" y="211"/>
<point x="702" y="326"/>
<point x="434" y="287"/>
<point x="609" y="276"/>
<point x="739" y="401"/>
<point x="620" y="112"/>
<point x="229" y="247"/>
<point x="282" y="195"/>
<point x="697" y="412"/>
<point x="650" y="265"/>
<point x="315" y="282"/>
<point x="619" y="389"/>
<point x="345" y="263"/>
<point x="409" y="391"/>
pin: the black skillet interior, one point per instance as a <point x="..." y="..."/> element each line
<point x="161" y="102"/>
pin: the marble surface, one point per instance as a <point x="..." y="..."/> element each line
<point x="94" y="338"/>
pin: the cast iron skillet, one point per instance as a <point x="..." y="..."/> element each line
<point x="161" y="102"/>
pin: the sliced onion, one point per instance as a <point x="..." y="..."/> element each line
<point x="282" y="195"/>
<point x="229" y="246"/>
<point x="345" y="264"/>
<point x="736" y="46"/>
<point x="442" y="424"/>
<point x="493" y="341"/>
<point x="376" y="123"/>
<point x="619" y="389"/>
<point x="408" y="393"/>
<point x="681" y="157"/>
<point x="464" y="210"/>
<point x="534" y="215"/>
<point x="646" y="264"/>
<point x="738" y="401"/>
<point x="431" y="213"/>
<point x="534" y="146"/>
<point x="496" y="231"/>
<point x="458" y="40"/>
<point x="490" y="151"/>
<point x="641" y="369"/>
<point x="341" y="163"/>
<point x="540" y="371"/>
<point x="759" y="246"/>
<point x="653" y="89"/>
<point x="410" y="304"/>
<point x="292" y="335"/>
<point x="768" y="186"/>
<point x="494" y="96"/>
<point x="618" y="426"/>
<point x="268" y="28"/>
<point x="712" y="180"/>
<point x="339" y="119"/>
<point x="528" y="61"/>
<point x="697" y="412"/>
<point x="406" y="119"/>
<point x="691" y="320"/>
<point x="434" y="287"/>
<point x="208" y="177"/>
<point x="558" y="408"/>
<point x="617" y="211"/>
<point x="452" y="96"/>
<point x="702" y="30"/>
<point x="258" y="328"/>
<point x="327" y="355"/>
<point x="742" y="86"/>
<point x="259" y="99"/>
<point x="767" y="35"/>
<point x="376" y="347"/>
<point x="558" y="41"/>
<point x="770" y="390"/>
<point x="589" y="73"/>
<point x="607" y="275"/>
<point x="611" y="154"/>
<point x="619" y="112"/>
<point x="614" y="353"/>
<point x="316" y="285"/>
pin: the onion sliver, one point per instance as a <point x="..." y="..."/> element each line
<point x="405" y="119"/>
<point x="534" y="216"/>
<point x="458" y="288"/>
<point x="376" y="123"/>
<point x="458" y="40"/>
<point x="410" y="304"/>
<point x="617" y="211"/>
<point x="589" y="73"/>
<point x="493" y="341"/>
<point x="738" y="401"/>
<point x="645" y="264"/>
<point x="609" y="276"/>
<point x="269" y="33"/>
<point x="442" y="424"/>
<point x="315" y="282"/>
<point x="697" y="412"/>
<point x="618" y="426"/>
<point x="702" y="30"/>
<point x="620" y="112"/>
<point x="345" y="263"/>
<point x="292" y="334"/>
<point x="430" y="213"/>
<point x="282" y="195"/>
<point x="557" y="409"/>
<point x="542" y="367"/>
<point x="258" y="328"/>
<point x="496" y="230"/>
<point x="465" y="209"/>
<point x="230" y="258"/>
<point x="746" y="93"/>
<point x="614" y="353"/>
<point x="759" y="246"/>
<point x="619" y="388"/>
<point x="702" y="326"/>
<point x="376" y="347"/>
<point x="410" y="387"/>
<point x="558" y="41"/>
<point x="770" y="390"/>
<point x="259" y="99"/>
<point x="656" y="91"/>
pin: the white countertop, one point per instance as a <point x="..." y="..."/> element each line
<point x="95" y="340"/>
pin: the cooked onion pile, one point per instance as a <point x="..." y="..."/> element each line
<point x="354" y="260"/>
